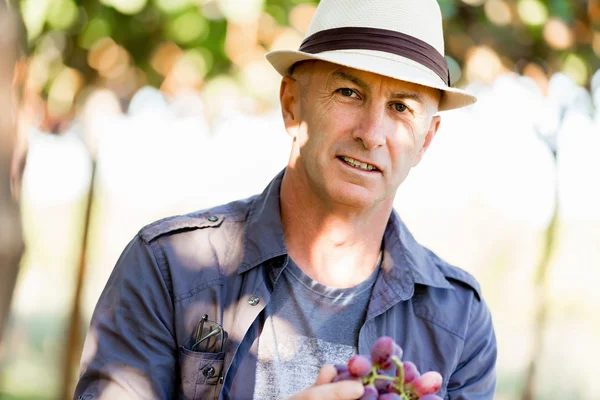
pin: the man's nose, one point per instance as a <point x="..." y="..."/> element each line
<point x="370" y="130"/>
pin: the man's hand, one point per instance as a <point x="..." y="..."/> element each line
<point x="324" y="389"/>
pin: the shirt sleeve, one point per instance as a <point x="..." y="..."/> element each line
<point x="475" y="376"/>
<point x="130" y="351"/>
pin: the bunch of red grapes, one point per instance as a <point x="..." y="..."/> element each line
<point x="407" y="384"/>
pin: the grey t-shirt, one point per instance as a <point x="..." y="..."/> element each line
<point x="306" y="325"/>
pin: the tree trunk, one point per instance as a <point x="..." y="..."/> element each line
<point x="11" y="243"/>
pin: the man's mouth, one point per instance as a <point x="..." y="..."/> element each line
<point x="358" y="164"/>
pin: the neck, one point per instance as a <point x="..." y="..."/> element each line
<point x="334" y="244"/>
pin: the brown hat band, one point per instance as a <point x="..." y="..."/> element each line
<point x="398" y="43"/>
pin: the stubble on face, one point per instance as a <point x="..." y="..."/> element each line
<point x="315" y="103"/>
<point x="321" y="114"/>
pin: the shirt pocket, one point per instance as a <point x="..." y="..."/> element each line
<point x="200" y="373"/>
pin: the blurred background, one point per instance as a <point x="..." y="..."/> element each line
<point x="115" y="113"/>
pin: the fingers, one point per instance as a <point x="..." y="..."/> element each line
<point x="343" y="390"/>
<point x="326" y="375"/>
<point x="323" y="389"/>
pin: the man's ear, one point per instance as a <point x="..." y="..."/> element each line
<point x="433" y="128"/>
<point x="289" y="97"/>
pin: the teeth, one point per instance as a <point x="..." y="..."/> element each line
<point x="358" y="164"/>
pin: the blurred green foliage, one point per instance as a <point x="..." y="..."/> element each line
<point x="518" y="31"/>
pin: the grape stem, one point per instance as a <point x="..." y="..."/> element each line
<point x="400" y="378"/>
<point x="397" y="382"/>
<point x="377" y="377"/>
<point x="400" y="372"/>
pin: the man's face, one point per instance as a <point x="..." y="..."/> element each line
<point x="356" y="134"/>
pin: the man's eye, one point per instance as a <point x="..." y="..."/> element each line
<point x="400" y="107"/>
<point x="347" y="92"/>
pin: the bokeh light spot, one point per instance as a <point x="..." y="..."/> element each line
<point x="95" y="30"/>
<point x="173" y="6"/>
<point x="62" y="14"/>
<point x="108" y="58"/>
<point x="211" y="10"/>
<point x="63" y="90"/>
<point x="483" y="65"/>
<point x="187" y="72"/>
<point x="287" y="39"/>
<point x="34" y="16"/>
<point x="575" y="67"/>
<point x="187" y="27"/>
<point x="51" y="45"/>
<point x="38" y="73"/>
<point x="596" y="43"/>
<point x="301" y="15"/>
<point x="208" y="57"/>
<point x="474" y="3"/>
<point x="267" y="29"/>
<point x="537" y="74"/>
<point x="532" y="12"/>
<point x="498" y="12"/>
<point x="277" y="12"/>
<point x="164" y="57"/>
<point x="557" y="34"/>
<point x="241" y="11"/>
<point x="128" y="7"/>
<point x="454" y="68"/>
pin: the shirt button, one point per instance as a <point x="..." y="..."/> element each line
<point x="253" y="300"/>
<point x="208" y="372"/>
<point x="213" y="218"/>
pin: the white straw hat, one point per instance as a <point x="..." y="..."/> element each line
<point x="401" y="39"/>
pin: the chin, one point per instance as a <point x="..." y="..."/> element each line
<point x="356" y="197"/>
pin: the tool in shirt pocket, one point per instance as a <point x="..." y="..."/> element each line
<point x="201" y="364"/>
<point x="209" y="336"/>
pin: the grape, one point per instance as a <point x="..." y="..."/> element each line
<point x="339" y="368"/>
<point x="398" y="352"/>
<point x="383" y="386"/>
<point x="393" y="390"/>
<point x="382" y="350"/>
<point x="359" y="366"/>
<point x="410" y="372"/>
<point x="428" y="383"/>
<point x="389" y="396"/>
<point x="388" y="365"/>
<point x="370" y="393"/>
<point x="346" y="376"/>
<point x="430" y="397"/>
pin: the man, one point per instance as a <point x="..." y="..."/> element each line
<point x="250" y="299"/>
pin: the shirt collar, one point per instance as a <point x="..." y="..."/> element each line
<point x="263" y="239"/>
<point x="403" y="258"/>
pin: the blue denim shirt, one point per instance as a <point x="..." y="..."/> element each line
<point x="224" y="262"/>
